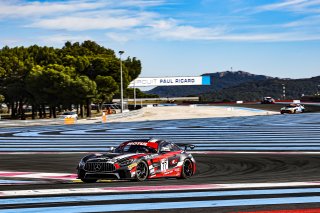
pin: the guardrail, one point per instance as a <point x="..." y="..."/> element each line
<point x="124" y="114"/>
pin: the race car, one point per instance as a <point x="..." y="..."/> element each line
<point x="292" y="108"/>
<point x="267" y="100"/>
<point x="139" y="160"/>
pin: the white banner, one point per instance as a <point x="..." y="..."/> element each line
<point x="170" y="81"/>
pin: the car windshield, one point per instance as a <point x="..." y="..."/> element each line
<point x="134" y="148"/>
<point x="68" y="113"/>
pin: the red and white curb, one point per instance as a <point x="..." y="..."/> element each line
<point x="152" y="188"/>
<point x="38" y="175"/>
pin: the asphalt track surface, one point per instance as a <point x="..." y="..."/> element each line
<point x="212" y="169"/>
<point x="271" y="179"/>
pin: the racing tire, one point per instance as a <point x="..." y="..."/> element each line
<point x="295" y="111"/>
<point x="187" y="169"/>
<point x="81" y="176"/>
<point x="142" y="171"/>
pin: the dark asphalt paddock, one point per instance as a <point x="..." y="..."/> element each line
<point x="213" y="168"/>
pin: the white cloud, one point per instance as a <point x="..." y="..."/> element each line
<point x="301" y="6"/>
<point x="271" y="37"/>
<point x="309" y="22"/>
<point x="86" y="15"/>
<point x="283" y="4"/>
<point x="127" y="20"/>
<point x="170" y="29"/>
<point x="173" y="30"/>
<point x="140" y="3"/>
<point x="220" y="34"/>
<point x="10" y="42"/>
<point x="119" y="37"/>
<point x="86" y="23"/>
<point x="18" y="9"/>
<point x="49" y="40"/>
<point x="60" y="39"/>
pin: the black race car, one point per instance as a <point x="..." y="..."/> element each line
<point x="139" y="160"/>
<point x="268" y="100"/>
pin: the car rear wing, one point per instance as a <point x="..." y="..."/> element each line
<point x="186" y="145"/>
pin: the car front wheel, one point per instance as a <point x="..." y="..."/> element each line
<point x="142" y="171"/>
<point x="81" y="176"/>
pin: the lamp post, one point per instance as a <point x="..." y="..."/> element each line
<point x="121" y="81"/>
<point x="284" y="91"/>
<point x="134" y="94"/>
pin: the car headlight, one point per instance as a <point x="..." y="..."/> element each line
<point x="125" y="162"/>
<point x="82" y="163"/>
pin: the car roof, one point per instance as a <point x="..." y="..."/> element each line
<point x="151" y="142"/>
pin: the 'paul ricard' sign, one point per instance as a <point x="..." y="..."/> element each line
<point x="170" y="81"/>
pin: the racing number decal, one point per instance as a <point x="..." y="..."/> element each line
<point x="164" y="165"/>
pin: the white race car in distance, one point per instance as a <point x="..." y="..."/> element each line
<point x="69" y="115"/>
<point x="292" y="108"/>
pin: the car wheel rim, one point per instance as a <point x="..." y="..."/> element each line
<point x="188" y="168"/>
<point x="141" y="171"/>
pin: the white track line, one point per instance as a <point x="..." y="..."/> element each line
<point x="38" y="175"/>
<point x="152" y="188"/>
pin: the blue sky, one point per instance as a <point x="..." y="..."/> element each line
<point x="279" y="38"/>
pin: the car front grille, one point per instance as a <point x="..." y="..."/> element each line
<point x="99" y="167"/>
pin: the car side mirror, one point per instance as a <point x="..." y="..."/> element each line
<point x="112" y="149"/>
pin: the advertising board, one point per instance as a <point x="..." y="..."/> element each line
<point x="170" y="81"/>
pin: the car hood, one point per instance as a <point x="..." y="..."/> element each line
<point x="114" y="156"/>
<point x="289" y="108"/>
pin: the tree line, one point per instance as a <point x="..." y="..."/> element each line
<point x="77" y="74"/>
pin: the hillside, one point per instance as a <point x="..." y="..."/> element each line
<point x="232" y="86"/>
<point x="219" y="80"/>
<point x="250" y="91"/>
